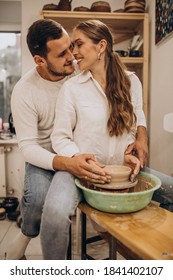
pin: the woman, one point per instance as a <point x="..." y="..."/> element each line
<point x="96" y="110"/>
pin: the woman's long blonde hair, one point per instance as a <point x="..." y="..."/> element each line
<point x="118" y="87"/>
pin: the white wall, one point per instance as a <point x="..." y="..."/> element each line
<point x="10" y="15"/>
<point x="160" y="98"/>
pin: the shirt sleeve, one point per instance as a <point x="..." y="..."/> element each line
<point x="26" y="126"/>
<point x="137" y="99"/>
<point x="65" y="121"/>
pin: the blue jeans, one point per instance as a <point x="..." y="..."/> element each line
<point x="36" y="185"/>
<point x="60" y="204"/>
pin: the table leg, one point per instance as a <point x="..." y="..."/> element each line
<point x="112" y="248"/>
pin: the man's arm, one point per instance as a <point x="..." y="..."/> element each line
<point x="82" y="166"/>
<point x="140" y="146"/>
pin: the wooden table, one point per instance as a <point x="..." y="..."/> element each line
<point x="146" y="234"/>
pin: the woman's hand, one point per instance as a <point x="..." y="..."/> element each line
<point x="134" y="163"/>
<point x="140" y="149"/>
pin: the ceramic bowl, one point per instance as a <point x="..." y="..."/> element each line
<point x="119" y="173"/>
<point x="122" y="53"/>
<point x="100" y="6"/>
<point x="81" y="9"/>
<point x="135" y="53"/>
<point x="50" y="7"/>
<point x="132" y="200"/>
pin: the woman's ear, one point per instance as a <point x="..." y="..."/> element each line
<point x="103" y="45"/>
<point x="39" y="60"/>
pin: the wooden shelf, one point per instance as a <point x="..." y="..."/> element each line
<point x="120" y="22"/>
<point x="131" y="60"/>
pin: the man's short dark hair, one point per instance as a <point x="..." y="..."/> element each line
<point x="40" y="32"/>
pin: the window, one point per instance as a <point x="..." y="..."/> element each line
<point x="10" y="69"/>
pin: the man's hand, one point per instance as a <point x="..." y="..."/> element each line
<point x="84" y="166"/>
<point x="140" y="146"/>
<point x="134" y="163"/>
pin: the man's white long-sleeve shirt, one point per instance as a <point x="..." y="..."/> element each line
<point x="33" y="108"/>
<point x="82" y="113"/>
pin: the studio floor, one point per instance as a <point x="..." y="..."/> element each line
<point x="9" y="229"/>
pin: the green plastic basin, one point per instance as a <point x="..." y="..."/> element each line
<point x="122" y="202"/>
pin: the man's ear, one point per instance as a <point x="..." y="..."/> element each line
<point x="39" y="60"/>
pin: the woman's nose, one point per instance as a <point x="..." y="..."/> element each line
<point x="70" y="55"/>
<point x="74" y="51"/>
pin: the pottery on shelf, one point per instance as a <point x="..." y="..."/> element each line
<point x="64" y="5"/>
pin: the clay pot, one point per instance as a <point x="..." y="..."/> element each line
<point x="119" y="173"/>
<point x="64" y="5"/>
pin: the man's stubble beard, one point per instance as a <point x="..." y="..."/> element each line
<point x="57" y="74"/>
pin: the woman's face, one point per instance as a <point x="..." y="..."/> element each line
<point x="85" y="51"/>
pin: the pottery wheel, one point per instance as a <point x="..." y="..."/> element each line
<point x="117" y="186"/>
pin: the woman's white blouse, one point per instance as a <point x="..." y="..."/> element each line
<point x="81" y="119"/>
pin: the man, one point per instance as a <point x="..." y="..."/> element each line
<point x="33" y="108"/>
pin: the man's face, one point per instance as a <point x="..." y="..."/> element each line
<point x="59" y="60"/>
